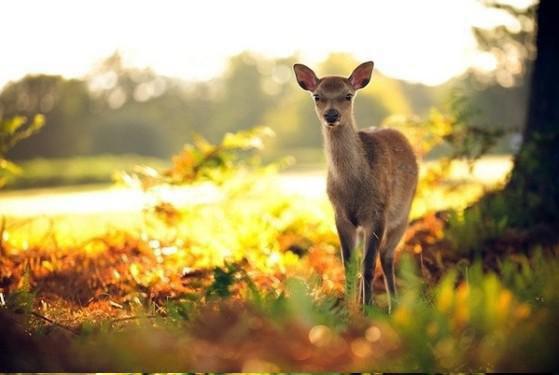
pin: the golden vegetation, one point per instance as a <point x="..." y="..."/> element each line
<point x="252" y="282"/>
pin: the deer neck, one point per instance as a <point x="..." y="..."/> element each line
<point x="344" y="152"/>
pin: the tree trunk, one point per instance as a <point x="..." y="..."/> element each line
<point x="533" y="190"/>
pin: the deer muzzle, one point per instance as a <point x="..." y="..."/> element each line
<point x="331" y="116"/>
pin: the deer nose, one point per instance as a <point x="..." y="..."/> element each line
<point x="331" y="116"/>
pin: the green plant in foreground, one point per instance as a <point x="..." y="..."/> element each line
<point x="224" y="278"/>
<point x="472" y="320"/>
<point x="352" y="286"/>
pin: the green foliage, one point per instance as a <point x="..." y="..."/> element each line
<point x="532" y="278"/>
<point x="468" y="229"/>
<point x="352" y="286"/>
<point x="13" y="131"/>
<point x="532" y="194"/>
<point x="470" y="138"/>
<point x="272" y="304"/>
<point x="223" y="280"/>
<point x="469" y="324"/>
<point x="203" y="161"/>
<point x="181" y="309"/>
<point x="304" y="306"/>
<point x="16" y="129"/>
<point x="458" y="132"/>
<point x="529" y="200"/>
<point x="21" y="300"/>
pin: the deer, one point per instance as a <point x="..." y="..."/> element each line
<point x="371" y="176"/>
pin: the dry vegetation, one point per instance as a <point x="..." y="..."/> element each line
<point x="253" y="283"/>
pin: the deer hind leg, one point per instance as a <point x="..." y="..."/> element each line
<point x="387" y="260"/>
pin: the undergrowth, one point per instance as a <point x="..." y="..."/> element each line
<point x="472" y="320"/>
<point x="253" y="283"/>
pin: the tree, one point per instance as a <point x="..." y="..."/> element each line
<point x="531" y="197"/>
<point x="535" y="177"/>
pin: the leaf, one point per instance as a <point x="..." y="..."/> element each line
<point x="9" y="166"/>
<point x="223" y="280"/>
<point x="34" y="127"/>
<point x="253" y="138"/>
<point x="202" y="144"/>
<point x="10" y="126"/>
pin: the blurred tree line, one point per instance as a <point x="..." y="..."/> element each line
<point x="117" y="109"/>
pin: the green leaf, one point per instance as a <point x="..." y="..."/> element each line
<point x="224" y="278"/>
<point x="12" y="125"/>
<point x="9" y="166"/>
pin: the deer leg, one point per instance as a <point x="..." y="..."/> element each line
<point x="387" y="260"/>
<point x="347" y="233"/>
<point x="373" y="237"/>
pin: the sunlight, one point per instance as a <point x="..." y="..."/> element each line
<point x="489" y="171"/>
<point x="191" y="40"/>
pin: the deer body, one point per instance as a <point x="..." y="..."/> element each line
<point x="373" y="180"/>
<point x="372" y="175"/>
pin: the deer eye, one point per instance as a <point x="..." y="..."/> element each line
<point x="348" y="97"/>
<point x="316" y="98"/>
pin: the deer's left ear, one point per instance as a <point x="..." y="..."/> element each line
<point x="305" y="77"/>
<point x="361" y="75"/>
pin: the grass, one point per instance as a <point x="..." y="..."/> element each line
<point x="79" y="170"/>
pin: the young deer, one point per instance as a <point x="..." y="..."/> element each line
<point x="372" y="174"/>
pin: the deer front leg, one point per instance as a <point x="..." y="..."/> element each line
<point x="347" y="234"/>
<point x="373" y="238"/>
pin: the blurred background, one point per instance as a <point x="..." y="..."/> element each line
<point x="126" y="83"/>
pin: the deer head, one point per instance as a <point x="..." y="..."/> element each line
<point x="333" y="95"/>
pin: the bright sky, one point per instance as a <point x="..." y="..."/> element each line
<point x="427" y="41"/>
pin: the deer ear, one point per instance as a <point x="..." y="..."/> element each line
<point x="361" y="75"/>
<point x="305" y="77"/>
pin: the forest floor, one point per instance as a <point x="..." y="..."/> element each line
<point x="247" y="277"/>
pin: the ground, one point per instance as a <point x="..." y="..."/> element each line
<point x="248" y="278"/>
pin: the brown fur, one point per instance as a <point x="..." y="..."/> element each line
<point x="372" y="175"/>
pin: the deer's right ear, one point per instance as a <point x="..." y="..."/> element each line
<point x="305" y="77"/>
<point x="361" y="75"/>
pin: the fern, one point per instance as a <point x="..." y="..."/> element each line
<point x="352" y="285"/>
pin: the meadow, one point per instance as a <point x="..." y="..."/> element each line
<point x="241" y="272"/>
